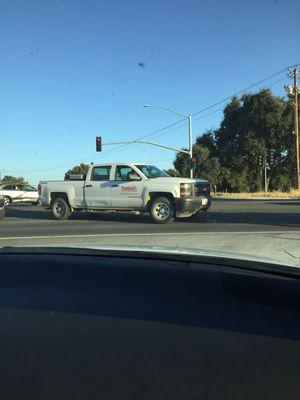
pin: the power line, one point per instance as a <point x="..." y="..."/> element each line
<point x="195" y="120"/>
<point x="127" y="147"/>
<point x="164" y="159"/>
<point x="243" y="90"/>
<point x="211" y="106"/>
<point x="212" y="112"/>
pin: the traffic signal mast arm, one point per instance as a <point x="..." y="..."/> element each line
<point x="146" y="142"/>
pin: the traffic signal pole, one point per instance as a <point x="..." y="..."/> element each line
<point x="265" y="170"/>
<point x="189" y="117"/>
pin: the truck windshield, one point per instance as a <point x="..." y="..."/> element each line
<point x="151" y="171"/>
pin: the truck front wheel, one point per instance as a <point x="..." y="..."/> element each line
<point x="60" y="209"/>
<point x="162" y="210"/>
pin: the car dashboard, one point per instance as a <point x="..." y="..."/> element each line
<point x="85" y="324"/>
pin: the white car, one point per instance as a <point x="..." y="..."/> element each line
<point x="15" y="192"/>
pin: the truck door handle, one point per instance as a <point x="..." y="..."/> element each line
<point x="88" y="186"/>
<point x="114" y="185"/>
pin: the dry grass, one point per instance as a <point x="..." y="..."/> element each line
<point x="293" y="194"/>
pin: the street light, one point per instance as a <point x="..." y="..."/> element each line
<point x="189" y="117"/>
<point x="3" y="171"/>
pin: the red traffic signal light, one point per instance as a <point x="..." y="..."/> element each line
<point x="98" y="143"/>
<point x="193" y="162"/>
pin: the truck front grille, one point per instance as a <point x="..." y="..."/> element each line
<point x="201" y="189"/>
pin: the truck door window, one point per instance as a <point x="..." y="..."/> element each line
<point x="101" y="173"/>
<point x="123" y="172"/>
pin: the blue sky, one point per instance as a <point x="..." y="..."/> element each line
<point x="69" y="71"/>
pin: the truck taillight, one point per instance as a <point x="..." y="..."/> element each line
<point x="39" y="188"/>
<point x="186" y="189"/>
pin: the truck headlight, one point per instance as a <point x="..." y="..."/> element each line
<point x="186" y="189"/>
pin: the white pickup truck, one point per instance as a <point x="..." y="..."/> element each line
<point x="127" y="187"/>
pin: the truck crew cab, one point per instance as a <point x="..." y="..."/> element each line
<point x="127" y="187"/>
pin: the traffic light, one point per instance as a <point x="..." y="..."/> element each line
<point x="193" y="162"/>
<point x="272" y="156"/>
<point x="98" y="143"/>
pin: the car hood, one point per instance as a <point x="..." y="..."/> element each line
<point x="145" y="250"/>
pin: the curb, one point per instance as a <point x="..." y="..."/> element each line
<point x="256" y="198"/>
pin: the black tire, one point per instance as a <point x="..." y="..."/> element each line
<point x="2" y="213"/>
<point x="195" y="215"/>
<point x="199" y="215"/>
<point x="7" y="201"/>
<point x="60" y="209"/>
<point x="35" y="203"/>
<point x="162" y="210"/>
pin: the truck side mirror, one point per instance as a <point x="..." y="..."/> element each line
<point x="134" y="177"/>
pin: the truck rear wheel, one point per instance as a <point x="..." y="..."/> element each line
<point x="60" y="209"/>
<point x="162" y="210"/>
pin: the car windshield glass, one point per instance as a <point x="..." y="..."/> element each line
<point x="150" y="171"/>
<point x="136" y="113"/>
<point x="28" y="188"/>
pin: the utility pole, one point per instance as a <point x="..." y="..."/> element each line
<point x="294" y="90"/>
<point x="2" y="173"/>
<point x="295" y="73"/>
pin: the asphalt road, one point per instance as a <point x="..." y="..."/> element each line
<point x="245" y="226"/>
<point x="224" y="216"/>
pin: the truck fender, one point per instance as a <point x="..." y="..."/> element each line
<point x="152" y="195"/>
<point x="64" y="195"/>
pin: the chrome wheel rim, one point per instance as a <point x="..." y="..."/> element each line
<point x="59" y="209"/>
<point x="6" y="202"/>
<point x="162" y="211"/>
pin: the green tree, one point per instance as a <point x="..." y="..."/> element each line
<point x="181" y="164"/>
<point x="78" y="169"/>
<point x="207" y="167"/>
<point x="208" y="139"/>
<point x="172" y="172"/>
<point x="13" y="179"/>
<point x="253" y="126"/>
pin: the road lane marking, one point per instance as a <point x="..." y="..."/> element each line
<point x="149" y="234"/>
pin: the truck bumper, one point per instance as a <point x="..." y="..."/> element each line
<point x="190" y="205"/>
